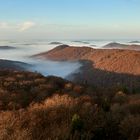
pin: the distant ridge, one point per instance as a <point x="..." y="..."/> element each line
<point x="134" y="42"/>
<point x="6" y="47"/>
<point x="122" y="46"/>
<point x="84" y="42"/>
<point x="55" y="43"/>
<point x="114" y="45"/>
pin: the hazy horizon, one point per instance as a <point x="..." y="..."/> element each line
<point x="74" y="19"/>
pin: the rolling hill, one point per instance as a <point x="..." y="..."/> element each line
<point x="113" y="60"/>
<point x="101" y="67"/>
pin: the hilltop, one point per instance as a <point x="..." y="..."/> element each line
<point x="65" y="52"/>
<point x="113" y="60"/>
<point x="101" y="67"/>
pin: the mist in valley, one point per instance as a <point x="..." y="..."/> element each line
<point x="24" y="49"/>
<point x="23" y="52"/>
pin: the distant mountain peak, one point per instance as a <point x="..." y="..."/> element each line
<point x="61" y="47"/>
<point x="113" y="44"/>
<point x="135" y="41"/>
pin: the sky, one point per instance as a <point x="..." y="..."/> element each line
<point x="69" y="19"/>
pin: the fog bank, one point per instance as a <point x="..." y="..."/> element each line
<point x="23" y="52"/>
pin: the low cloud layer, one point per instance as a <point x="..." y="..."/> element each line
<point x="46" y="67"/>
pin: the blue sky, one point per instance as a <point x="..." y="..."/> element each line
<point x="69" y="19"/>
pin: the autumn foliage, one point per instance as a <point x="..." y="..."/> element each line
<point x="34" y="107"/>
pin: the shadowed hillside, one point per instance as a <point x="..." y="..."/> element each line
<point x="13" y="65"/>
<point x="104" y="79"/>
